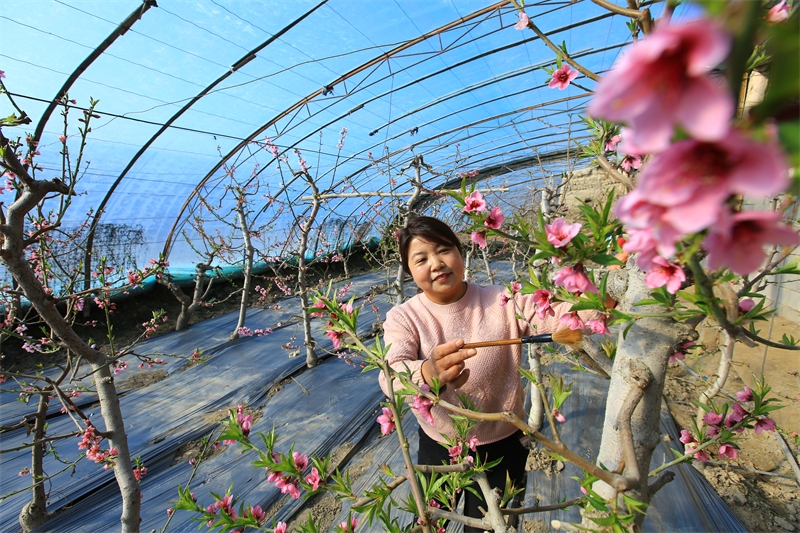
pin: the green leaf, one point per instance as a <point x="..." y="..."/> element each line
<point x="605" y="260"/>
<point x="585" y="304"/>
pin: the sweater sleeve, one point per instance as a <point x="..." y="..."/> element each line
<point x="400" y="335"/>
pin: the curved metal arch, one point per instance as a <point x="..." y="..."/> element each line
<point x="244" y="60"/>
<point x="461" y="128"/>
<point x="119" y="31"/>
<point x="493" y="80"/>
<point x="375" y="61"/>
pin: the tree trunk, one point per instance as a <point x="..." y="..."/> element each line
<point x="104" y="382"/>
<point x="34" y="513"/>
<point x="311" y="355"/>
<point x="13" y="258"/>
<point x="644" y="350"/>
<point x="249" y="253"/>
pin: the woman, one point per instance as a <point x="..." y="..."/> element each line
<point x="426" y="334"/>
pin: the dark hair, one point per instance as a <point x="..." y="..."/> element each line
<point x="427" y="229"/>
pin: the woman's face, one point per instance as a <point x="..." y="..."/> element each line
<point x="438" y="270"/>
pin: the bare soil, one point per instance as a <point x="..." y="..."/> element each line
<point x="760" y="485"/>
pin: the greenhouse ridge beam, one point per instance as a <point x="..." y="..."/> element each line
<point x="382" y="57"/>
<point x="249" y="56"/>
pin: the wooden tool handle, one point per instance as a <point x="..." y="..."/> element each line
<point x="484" y="344"/>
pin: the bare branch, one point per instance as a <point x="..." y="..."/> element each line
<point x="613" y="172"/>
<point x="588" y="73"/>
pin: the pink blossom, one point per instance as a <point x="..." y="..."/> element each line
<point x="495" y="218"/>
<point x="631" y="161"/>
<point x="599" y="326"/>
<point x="300" y="460"/>
<point x="745" y="395"/>
<point x="562" y="77"/>
<point x="651" y="233"/>
<point x="474" y="202"/>
<point x="680" y="353"/>
<point x="746" y="305"/>
<point x="256" y="512"/>
<point x="665" y="273"/>
<point x="423" y="406"/>
<point x="686" y="437"/>
<point x="726" y="450"/>
<point x="521" y="24"/>
<point x="313" y="479"/>
<point x="764" y="424"/>
<point x="574" y="280"/>
<point x="335" y="337"/>
<point x="515" y="287"/>
<point x="479" y="238"/>
<point x="280" y="527"/>
<point x="712" y="418"/>
<point x="386" y="420"/>
<point x="737" y="242"/>
<point x="541" y="298"/>
<point x="559" y="416"/>
<point x="692" y="179"/>
<point x="292" y="490"/>
<point x="701" y="456"/>
<point x="455" y="451"/>
<point x="504" y="299"/>
<point x="319" y="304"/>
<point x="611" y="144"/>
<point x="572" y="320"/>
<point x="779" y="12"/>
<point x="349" y="528"/>
<point x="662" y="80"/>
<point x="472" y="443"/>
<point x="736" y="415"/>
<point x="559" y="233"/>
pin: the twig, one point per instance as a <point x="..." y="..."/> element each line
<point x="442" y="469"/>
<point x="415" y="488"/>
<point x="588" y="73"/>
<point x="541" y="508"/>
<point x="616" y="481"/>
<point x="393" y="484"/>
<point x="767" y="342"/>
<point x="305" y="390"/>
<point x="767" y="270"/>
<point x="789" y="456"/>
<point x="744" y="469"/>
<point x="613" y="172"/>
<point x="662" y="480"/>
<point x="455" y="517"/>
<point x="493" y="513"/>
<point x="725" y="360"/>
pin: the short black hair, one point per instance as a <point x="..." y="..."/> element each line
<point x="427" y="229"/>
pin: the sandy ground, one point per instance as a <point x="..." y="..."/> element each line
<point x="768" y="502"/>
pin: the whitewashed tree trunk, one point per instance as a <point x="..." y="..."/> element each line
<point x="247" y="271"/>
<point x="12" y="250"/>
<point x="644" y="351"/>
<point x="302" y="280"/>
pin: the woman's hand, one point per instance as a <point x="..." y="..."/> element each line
<point x="447" y="364"/>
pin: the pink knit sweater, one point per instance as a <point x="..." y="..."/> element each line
<point x="416" y="327"/>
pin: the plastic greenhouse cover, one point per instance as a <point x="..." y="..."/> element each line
<point x="189" y="93"/>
